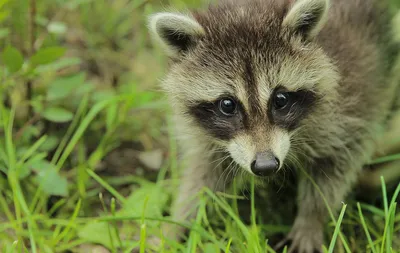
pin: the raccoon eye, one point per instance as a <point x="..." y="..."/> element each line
<point x="227" y="106"/>
<point x="281" y="100"/>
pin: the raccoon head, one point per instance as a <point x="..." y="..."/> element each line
<point x="247" y="74"/>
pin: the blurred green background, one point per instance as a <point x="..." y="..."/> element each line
<point x="87" y="161"/>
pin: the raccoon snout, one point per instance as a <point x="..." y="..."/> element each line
<point x="265" y="164"/>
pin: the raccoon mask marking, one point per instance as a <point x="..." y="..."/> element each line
<point x="245" y="82"/>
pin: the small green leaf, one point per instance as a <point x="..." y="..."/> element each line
<point x="47" y="55"/>
<point x="98" y="232"/>
<point x="56" y="114"/>
<point x="13" y="59"/>
<point x="156" y="200"/>
<point x="50" y="143"/>
<point x="27" y="167"/>
<point x="41" y="166"/>
<point x="48" y="178"/>
<point x="63" y="87"/>
<point x="52" y="183"/>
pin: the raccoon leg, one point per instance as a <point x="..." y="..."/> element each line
<point x="306" y="235"/>
<point x="196" y="177"/>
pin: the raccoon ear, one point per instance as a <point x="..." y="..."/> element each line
<point x="177" y="33"/>
<point x="307" y="17"/>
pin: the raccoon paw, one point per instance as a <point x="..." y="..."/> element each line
<point x="303" y="238"/>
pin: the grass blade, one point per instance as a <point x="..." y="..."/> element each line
<point x="230" y="212"/>
<point x="81" y="109"/>
<point x="19" y="199"/>
<point x="194" y="237"/>
<point x="391" y="223"/>
<point x="228" y="246"/>
<point x="387" y="233"/>
<point x="106" y="186"/>
<point x="64" y="233"/>
<point x="253" y="216"/>
<point x="387" y="217"/>
<point x="395" y="195"/>
<point x="114" y="224"/>
<point x="96" y="109"/>
<point x="143" y="227"/>
<point x="371" y="243"/>
<point x="113" y="250"/>
<point x="337" y="229"/>
<point x="31" y="150"/>
<point x="385" y="159"/>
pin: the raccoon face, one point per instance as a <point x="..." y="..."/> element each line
<point x="247" y="76"/>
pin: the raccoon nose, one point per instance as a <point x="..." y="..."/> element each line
<point x="265" y="164"/>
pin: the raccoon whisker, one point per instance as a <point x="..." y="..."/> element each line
<point x="245" y="186"/>
<point x="210" y="153"/>
<point x="222" y="175"/>
<point x="229" y="169"/>
<point x="237" y="170"/>
<point x="282" y="182"/>
<point x="225" y="175"/>
<point x="291" y="159"/>
<point x="219" y="178"/>
<point x="215" y="149"/>
<point x="234" y="170"/>
<point x="224" y="171"/>
<point x="222" y="157"/>
<point x="227" y="178"/>
<point x="219" y="160"/>
<point x="216" y="187"/>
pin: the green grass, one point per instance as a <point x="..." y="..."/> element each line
<point x="71" y="173"/>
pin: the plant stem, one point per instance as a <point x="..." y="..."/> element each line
<point x="32" y="32"/>
<point x="32" y="27"/>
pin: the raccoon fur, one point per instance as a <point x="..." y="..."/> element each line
<point x="263" y="85"/>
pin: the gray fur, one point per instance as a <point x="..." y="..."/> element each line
<point x="248" y="49"/>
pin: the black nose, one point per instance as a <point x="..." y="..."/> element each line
<point x="265" y="164"/>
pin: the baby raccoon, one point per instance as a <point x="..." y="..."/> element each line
<point x="260" y="85"/>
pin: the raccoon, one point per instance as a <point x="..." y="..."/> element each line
<point x="263" y="85"/>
